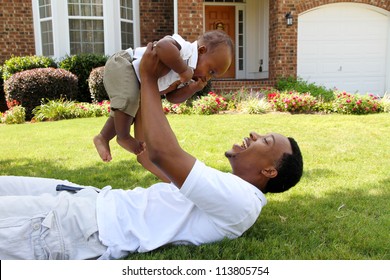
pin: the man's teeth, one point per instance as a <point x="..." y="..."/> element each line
<point x="244" y="144"/>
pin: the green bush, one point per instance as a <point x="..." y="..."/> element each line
<point x="210" y="104"/>
<point x="292" y="102"/>
<point x="255" y="105"/>
<point x="21" y="63"/>
<point x="96" y="85"/>
<point x="14" y="115"/>
<point x="81" y="65"/>
<point x="386" y="103"/>
<point x="356" y="104"/>
<point x="29" y="87"/>
<point x="182" y="108"/>
<point x="299" y="85"/>
<point x="61" y="109"/>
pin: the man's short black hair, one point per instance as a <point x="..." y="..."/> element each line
<point x="290" y="169"/>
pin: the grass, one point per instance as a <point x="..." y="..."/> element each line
<point x="340" y="209"/>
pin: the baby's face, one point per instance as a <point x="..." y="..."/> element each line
<point x="212" y="64"/>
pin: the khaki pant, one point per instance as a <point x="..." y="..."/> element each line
<point x="121" y="84"/>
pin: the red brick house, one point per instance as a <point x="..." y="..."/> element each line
<point x="343" y="44"/>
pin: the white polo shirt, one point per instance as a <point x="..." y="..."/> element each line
<point x="188" y="52"/>
<point x="210" y="206"/>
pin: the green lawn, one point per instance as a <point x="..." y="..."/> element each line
<point x="339" y="210"/>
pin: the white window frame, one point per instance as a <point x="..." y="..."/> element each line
<point x="60" y="23"/>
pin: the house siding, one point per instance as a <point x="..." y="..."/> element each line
<point x="157" y="20"/>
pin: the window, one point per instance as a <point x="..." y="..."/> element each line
<point x="46" y="24"/>
<point x="127" y="26"/>
<point x="241" y="34"/>
<point x="86" y="26"/>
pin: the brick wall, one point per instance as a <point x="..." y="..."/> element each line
<point x="226" y="86"/>
<point x="156" y="20"/>
<point x="16" y="29"/>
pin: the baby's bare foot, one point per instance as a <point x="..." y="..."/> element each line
<point x="132" y="145"/>
<point x="102" y="147"/>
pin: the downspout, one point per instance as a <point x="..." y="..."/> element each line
<point x="387" y="77"/>
<point x="175" y="18"/>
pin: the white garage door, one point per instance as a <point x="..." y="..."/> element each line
<point x="345" y="46"/>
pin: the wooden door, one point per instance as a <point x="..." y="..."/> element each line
<point x="223" y="18"/>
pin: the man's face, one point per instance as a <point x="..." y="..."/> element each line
<point x="256" y="153"/>
<point x="212" y="64"/>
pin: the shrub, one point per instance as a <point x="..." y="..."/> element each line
<point x="299" y="85"/>
<point x="81" y="65"/>
<point x="14" y="115"/>
<point x="61" y="109"/>
<point x="166" y="106"/>
<point x="182" y="108"/>
<point x="255" y="105"/>
<point x="3" y="103"/>
<point x="18" y="64"/>
<point x="210" y="104"/>
<point x="323" y="106"/>
<point x="386" y="103"/>
<point x="96" y="85"/>
<point x="347" y="103"/>
<point x="29" y="87"/>
<point x="292" y="102"/>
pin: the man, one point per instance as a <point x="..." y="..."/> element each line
<point x="201" y="205"/>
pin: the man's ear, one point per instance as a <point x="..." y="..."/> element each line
<point x="202" y="49"/>
<point x="270" y="172"/>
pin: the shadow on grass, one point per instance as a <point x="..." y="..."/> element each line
<point x="120" y="174"/>
<point x="318" y="173"/>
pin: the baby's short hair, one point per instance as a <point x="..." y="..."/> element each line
<point x="214" y="38"/>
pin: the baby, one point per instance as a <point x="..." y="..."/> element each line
<point x="187" y="69"/>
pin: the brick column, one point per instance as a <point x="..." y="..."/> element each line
<point x="16" y="29"/>
<point x="190" y="19"/>
<point x="156" y="20"/>
<point x="282" y="40"/>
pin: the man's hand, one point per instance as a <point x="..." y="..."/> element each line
<point x="151" y="67"/>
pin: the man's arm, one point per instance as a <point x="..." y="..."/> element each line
<point x="162" y="145"/>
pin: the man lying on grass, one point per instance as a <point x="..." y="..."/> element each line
<point x="54" y="219"/>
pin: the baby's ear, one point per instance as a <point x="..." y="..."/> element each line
<point x="202" y="49"/>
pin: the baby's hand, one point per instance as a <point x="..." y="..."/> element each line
<point x="186" y="76"/>
<point x="198" y="85"/>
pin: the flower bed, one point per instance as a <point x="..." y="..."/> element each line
<point x="242" y="101"/>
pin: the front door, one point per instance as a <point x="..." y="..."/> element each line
<point x="223" y="18"/>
